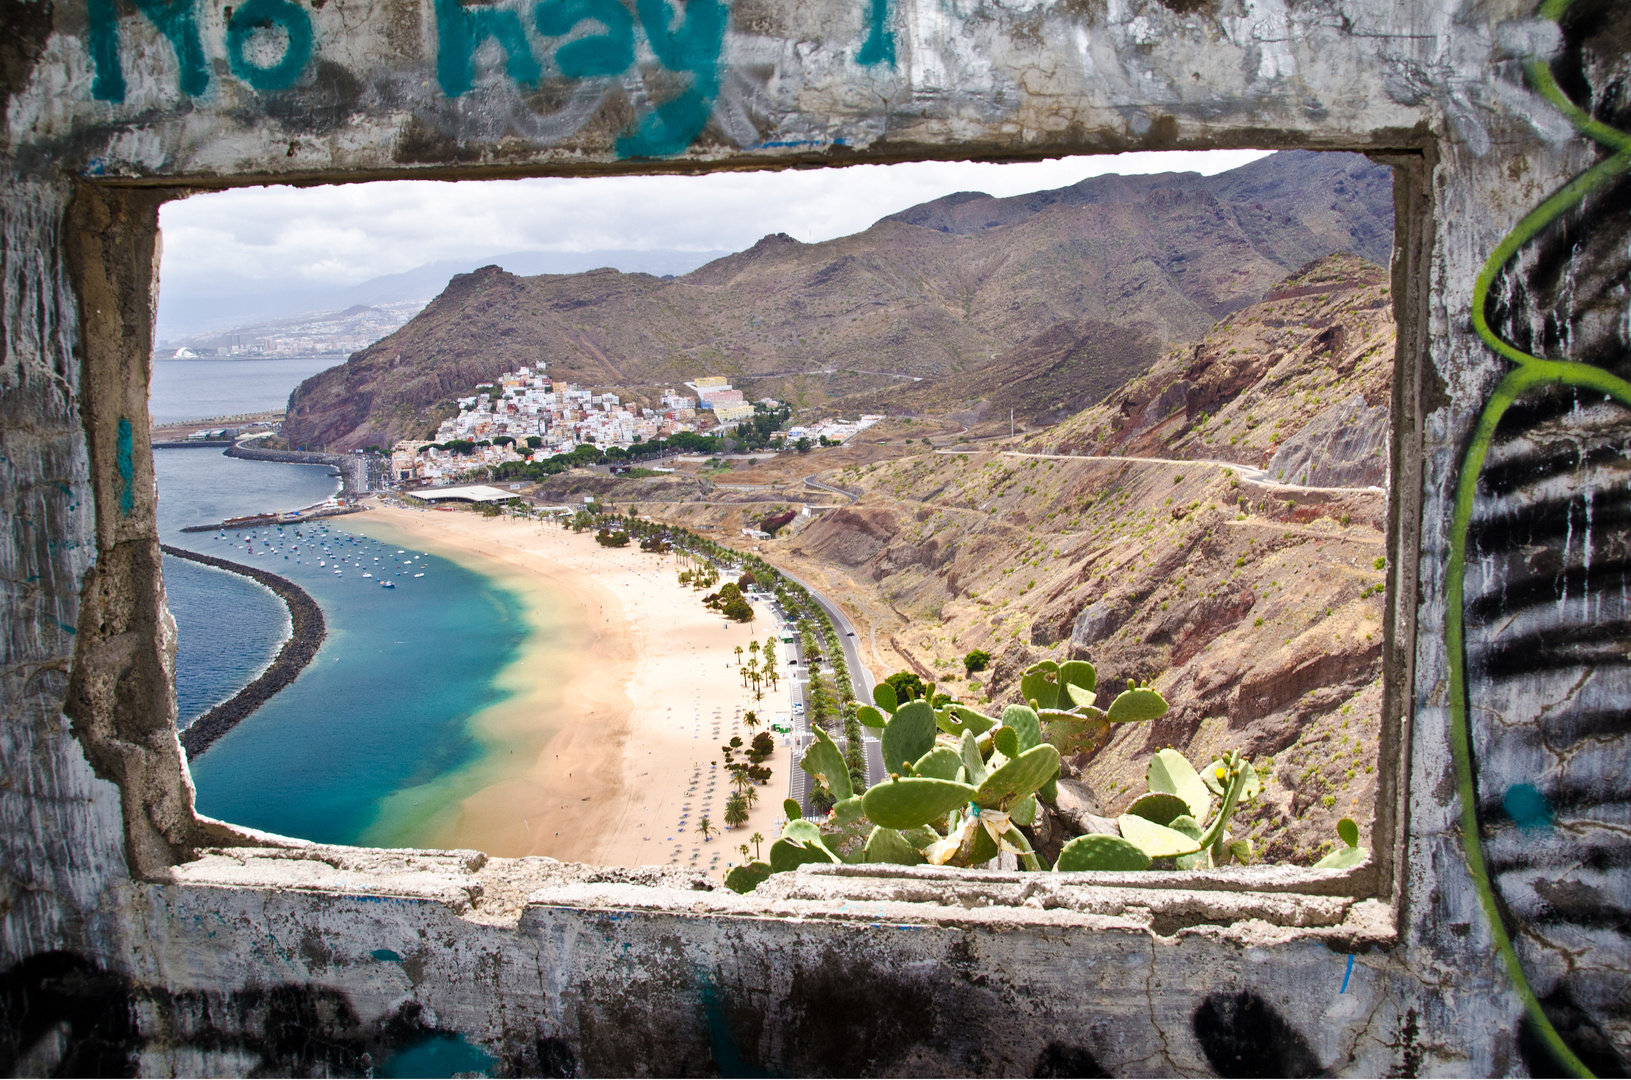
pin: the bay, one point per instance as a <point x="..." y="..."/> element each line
<point x="384" y="709"/>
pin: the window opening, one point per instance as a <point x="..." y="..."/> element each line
<point x="587" y="564"/>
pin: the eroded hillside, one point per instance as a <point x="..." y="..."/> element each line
<point x="1254" y="603"/>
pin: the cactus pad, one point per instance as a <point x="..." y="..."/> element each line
<point x="902" y="804"/>
<point x="1078" y="673"/>
<point x="941" y="763"/>
<point x="1025" y="725"/>
<point x="1157" y="841"/>
<point x="889" y="846"/>
<point x="908" y="735"/>
<point x="1170" y="772"/>
<point x="1097" y="851"/>
<point x="744" y="879"/>
<point x="1132" y="706"/>
<point x="1018" y="778"/>
<point x="825" y="762"/>
<point x="1161" y="807"/>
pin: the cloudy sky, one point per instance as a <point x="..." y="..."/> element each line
<point x="297" y="238"/>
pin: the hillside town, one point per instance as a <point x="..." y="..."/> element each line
<point x="526" y="416"/>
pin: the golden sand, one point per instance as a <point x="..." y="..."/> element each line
<point x="617" y="706"/>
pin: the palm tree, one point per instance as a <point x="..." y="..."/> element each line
<point x="744" y="850"/>
<point x="750" y="720"/>
<point x="736" y="810"/>
<point x="756" y="839"/>
<point x="739" y="654"/>
<point x="706" y="828"/>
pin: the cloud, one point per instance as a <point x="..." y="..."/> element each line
<point x="295" y="238"/>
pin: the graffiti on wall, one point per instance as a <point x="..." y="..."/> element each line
<point x="271" y="45"/>
<point x="1538" y="613"/>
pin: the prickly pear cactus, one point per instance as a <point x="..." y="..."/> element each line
<point x="962" y="784"/>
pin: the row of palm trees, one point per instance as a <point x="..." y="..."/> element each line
<point x="756" y="674"/>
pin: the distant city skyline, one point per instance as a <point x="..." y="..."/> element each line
<point x="287" y="238"/>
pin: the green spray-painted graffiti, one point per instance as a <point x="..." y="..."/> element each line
<point x="689" y="45"/>
<point x="686" y="36"/>
<point x="879" y="47"/>
<point x="172" y="18"/>
<point x="1530" y="372"/>
<point x="257" y="15"/>
<point x="124" y="463"/>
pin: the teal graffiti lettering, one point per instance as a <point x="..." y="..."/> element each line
<point x="594" y="54"/>
<point x="124" y="460"/>
<point x="172" y="18"/>
<point x="266" y="15"/>
<point x="691" y="47"/>
<point x="879" y="46"/>
<point x="460" y="31"/>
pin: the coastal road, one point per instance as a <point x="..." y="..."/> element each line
<point x="860" y="675"/>
<point x="1248" y="473"/>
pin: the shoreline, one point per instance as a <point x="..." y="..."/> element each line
<point x="308" y="630"/>
<point x="606" y="749"/>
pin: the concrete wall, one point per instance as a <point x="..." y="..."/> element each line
<point x="135" y="936"/>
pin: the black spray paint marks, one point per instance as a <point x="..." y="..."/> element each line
<point x="60" y="1015"/>
<point x="1242" y="1035"/>
<point x="1060" y="1059"/>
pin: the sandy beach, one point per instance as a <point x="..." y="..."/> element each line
<point x="603" y="750"/>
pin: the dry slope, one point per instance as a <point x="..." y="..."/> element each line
<point x="1255" y="605"/>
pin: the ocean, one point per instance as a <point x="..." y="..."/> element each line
<point x="370" y="743"/>
<point x="199" y="389"/>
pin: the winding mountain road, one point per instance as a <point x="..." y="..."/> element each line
<point x="1247" y="472"/>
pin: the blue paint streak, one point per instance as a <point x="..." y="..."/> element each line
<point x="1347" y="974"/>
<point x="1527" y="806"/>
<point x="124" y="460"/>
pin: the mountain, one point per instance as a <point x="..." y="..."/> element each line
<point x="1050" y="299"/>
<point x="194" y="309"/>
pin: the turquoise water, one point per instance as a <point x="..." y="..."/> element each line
<point x="384" y="708"/>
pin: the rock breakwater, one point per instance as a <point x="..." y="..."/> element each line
<point x="307" y="633"/>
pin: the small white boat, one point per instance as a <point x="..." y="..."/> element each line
<point x="419" y="575"/>
<point x="366" y="574"/>
<point x="320" y="562"/>
<point x="387" y="583"/>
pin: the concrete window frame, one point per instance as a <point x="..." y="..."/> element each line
<point x="121" y="695"/>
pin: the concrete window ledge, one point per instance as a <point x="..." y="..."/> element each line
<point x="1254" y="906"/>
